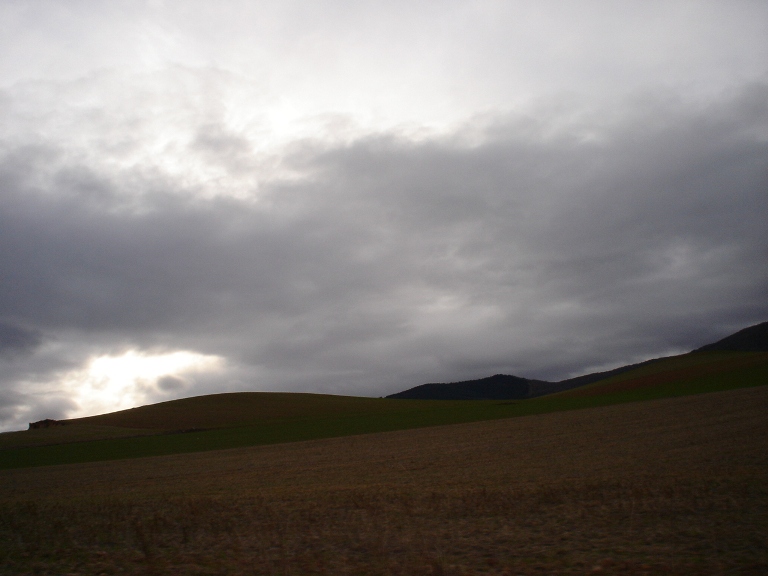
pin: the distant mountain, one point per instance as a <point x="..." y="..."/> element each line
<point x="497" y="387"/>
<point x="503" y="387"/>
<point x="508" y="387"/>
<point x="752" y="339"/>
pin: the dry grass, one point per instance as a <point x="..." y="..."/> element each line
<point x="674" y="486"/>
<point x="236" y="409"/>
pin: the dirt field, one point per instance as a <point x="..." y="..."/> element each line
<point x="677" y="486"/>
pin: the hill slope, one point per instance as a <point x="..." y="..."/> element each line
<point x="296" y="417"/>
<point x="508" y="387"/>
<point x="221" y="421"/>
<point x="234" y="409"/>
<point x="752" y="339"/>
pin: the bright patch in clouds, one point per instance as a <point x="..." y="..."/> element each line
<point x="111" y="383"/>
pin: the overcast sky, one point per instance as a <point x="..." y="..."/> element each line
<point x="359" y="197"/>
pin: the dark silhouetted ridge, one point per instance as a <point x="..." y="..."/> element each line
<point x="506" y="387"/>
<point x="497" y="387"/>
<point x="503" y="387"/>
<point x="752" y="339"/>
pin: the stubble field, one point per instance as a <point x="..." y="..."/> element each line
<point x="673" y="486"/>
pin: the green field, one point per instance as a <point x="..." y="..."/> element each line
<point x="223" y="421"/>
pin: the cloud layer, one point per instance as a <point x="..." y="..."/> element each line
<point x="360" y="200"/>
<point x="538" y="248"/>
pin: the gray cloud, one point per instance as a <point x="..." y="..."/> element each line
<point x="540" y="248"/>
<point x="171" y="384"/>
<point x="17" y="339"/>
<point x="18" y="408"/>
<point x="657" y="218"/>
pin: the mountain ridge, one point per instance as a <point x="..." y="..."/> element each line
<point x="751" y="339"/>
<point x="509" y="387"/>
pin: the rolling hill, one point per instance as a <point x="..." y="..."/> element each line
<point x="232" y="420"/>
<point x="752" y="339"/>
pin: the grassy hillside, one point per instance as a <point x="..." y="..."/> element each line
<point x="289" y="418"/>
<point x="674" y="486"/>
<point x="222" y="421"/>
<point x="231" y="410"/>
<point x="681" y="375"/>
<point x="238" y="409"/>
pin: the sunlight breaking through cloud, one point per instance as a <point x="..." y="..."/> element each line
<point x="116" y="382"/>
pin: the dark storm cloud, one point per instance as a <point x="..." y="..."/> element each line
<point x="16" y="339"/>
<point x="639" y="239"/>
<point x="18" y="408"/>
<point x="171" y="384"/>
<point x="33" y="409"/>
<point x="541" y="249"/>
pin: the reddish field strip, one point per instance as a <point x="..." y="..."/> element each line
<point x="670" y="376"/>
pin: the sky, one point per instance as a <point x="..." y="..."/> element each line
<point x="360" y="197"/>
